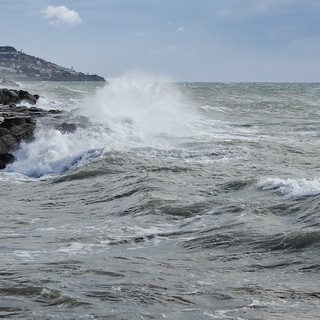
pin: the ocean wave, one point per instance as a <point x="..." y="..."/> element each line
<point x="296" y="240"/>
<point x="291" y="188"/>
<point x="43" y="295"/>
<point x="130" y="112"/>
<point x="53" y="152"/>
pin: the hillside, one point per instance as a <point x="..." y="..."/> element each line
<point x="16" y="65"/>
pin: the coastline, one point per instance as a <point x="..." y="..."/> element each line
<point x="18" y="121"/>
<point x="18" y="66"/>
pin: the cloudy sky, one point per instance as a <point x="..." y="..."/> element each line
<point x="186" y="40"/>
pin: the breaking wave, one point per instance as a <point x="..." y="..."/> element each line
<point x="129" y="112"/>
<point x="291" y="188"/>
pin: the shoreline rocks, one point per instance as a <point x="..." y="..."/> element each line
<point x="11" y="96"/>
<point x="17" y="123"/>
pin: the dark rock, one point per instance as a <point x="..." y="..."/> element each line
<point x="25" y="95"/>
<point x="3" y="132"/>
<point x="15" y="96"/>
<point x="54" y="111"/>
<point x="2" y="164"/>
<point x="23" y="132"/>
<point x="9" y="122"/>
<point x="4" y="99"/>
<point x="8" y="143"/>
<point x="11" y="94"/>
<point x="35" y="109"/>
<point x="7" y="158"/>
<point x="18" y="124"/>
<point x="13" y="130"/>
<point x="67" y="127"/>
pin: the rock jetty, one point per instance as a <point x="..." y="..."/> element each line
<point x="17" y="123"/>
<point x="19" y="66"/>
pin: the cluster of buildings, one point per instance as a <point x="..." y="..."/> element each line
<point x="16" y="65"/>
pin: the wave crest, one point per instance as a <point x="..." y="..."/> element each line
<point x="292" y="188"/>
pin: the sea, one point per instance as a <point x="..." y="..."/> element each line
<point x="169" y="201"/>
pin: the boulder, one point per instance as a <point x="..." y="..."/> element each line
<point x="8" y="143"/>
<point x="3" y="132"/>
<point x="16" y="123"/>
<point x="16" y="96"/>
<point x="23" y="132"/>
<point x="5" y="159"/>
<point x="25" y="95"/>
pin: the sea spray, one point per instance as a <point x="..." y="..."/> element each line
<point x="152" y="107"/>
<point x="130" y="112"/>
<point x="54" y="152"/>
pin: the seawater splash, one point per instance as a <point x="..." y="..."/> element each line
<point x="55" y="152"/>
<point x="152" y="108"/>
<point x="129" y="112"/>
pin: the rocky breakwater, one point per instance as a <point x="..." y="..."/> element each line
<point x="17" y="123"/>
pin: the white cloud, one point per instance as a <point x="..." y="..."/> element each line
<point x="180" y="29"/>
<point x="62" y="15"/>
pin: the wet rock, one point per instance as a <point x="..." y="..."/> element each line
<point x="4" y="131"/>
<point x="16" y="96"/>
<point x="23" y="132"/>
<point x="66" y="127"/>
<point x="6" y="159"/>
<point x="25" y="95"/>
<point x="8" y="143"/>
<point x="54" y="111"/>
<point x="14" y="128"/>
<point x="18" y="123"/>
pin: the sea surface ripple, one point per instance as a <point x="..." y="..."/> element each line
<point x="173" y="201"/>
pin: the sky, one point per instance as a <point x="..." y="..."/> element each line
<point x="184" y="40"/>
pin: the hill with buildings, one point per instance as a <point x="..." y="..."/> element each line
<point x="18" y="66"/>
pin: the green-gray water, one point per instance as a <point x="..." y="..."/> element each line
<point x="170" y="201"/>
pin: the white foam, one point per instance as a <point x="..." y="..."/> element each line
<point x="152" y="107"/>
<point x="73" y="247"/>
<point x="54" y="152"/>
<point x="292" y="188"/>
<point x="14" y="176"/>
<point x="130" y="112"/>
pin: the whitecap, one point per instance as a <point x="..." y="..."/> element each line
<point x="53" y="152"/>
<point x="291" y="188"/>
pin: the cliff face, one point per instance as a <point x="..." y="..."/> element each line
<point x="16" y="65"/>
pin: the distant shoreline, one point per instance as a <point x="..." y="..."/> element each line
<point x="18" y="66"/>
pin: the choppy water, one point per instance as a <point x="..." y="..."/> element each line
<point x="170" y="201"/>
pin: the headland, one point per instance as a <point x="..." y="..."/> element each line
<point x="18" y="66"/>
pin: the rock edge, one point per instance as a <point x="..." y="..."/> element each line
<point x="17" y="123"/>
